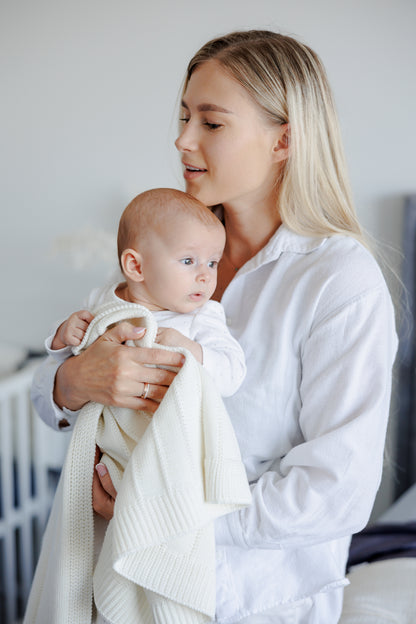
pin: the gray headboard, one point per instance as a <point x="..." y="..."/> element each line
<point x="406" y="399"/>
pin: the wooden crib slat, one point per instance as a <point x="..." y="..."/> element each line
<point x="7" y="533"/>
<point x="25" y="495"/>
<point x="6" y="457"/>
<point x="24" y="463"/>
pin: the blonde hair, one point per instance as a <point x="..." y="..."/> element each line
<point x="289" y="83"/>
<point x="153" y="209"/>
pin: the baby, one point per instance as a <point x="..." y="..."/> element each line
<point x="173" y="474"/>
<point x="169" y="247"/>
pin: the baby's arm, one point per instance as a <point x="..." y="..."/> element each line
<point x="173" y="338"/>
<point x="212" y="345"/>
<point x="71" y="332"/>
<point x="223" y="357"/>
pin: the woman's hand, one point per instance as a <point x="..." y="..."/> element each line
<point x="112" y="373"/>
<point x="103" y="492"/>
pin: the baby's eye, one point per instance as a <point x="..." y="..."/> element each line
<point x="187" y="261"/>
<point x="213" y="264"/>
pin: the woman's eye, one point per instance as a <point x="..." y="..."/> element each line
<point x="184" y="119"/>
<point x="212" y="126"/>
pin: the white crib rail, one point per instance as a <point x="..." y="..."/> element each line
<point x="25" y="494"/>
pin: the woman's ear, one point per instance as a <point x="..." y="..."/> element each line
<point x="131" y="263"/>
<point x="281" y="146"/>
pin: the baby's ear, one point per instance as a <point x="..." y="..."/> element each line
<point x="131" y="263"/>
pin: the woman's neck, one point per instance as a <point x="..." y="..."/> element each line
<point x="248" y="231"/>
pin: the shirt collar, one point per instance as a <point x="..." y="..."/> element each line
<point x="283" y="240"/>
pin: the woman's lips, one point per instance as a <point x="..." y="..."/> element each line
<point x="191" y="172"/>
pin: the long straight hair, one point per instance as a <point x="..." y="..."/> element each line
<point x="288" y="82"/>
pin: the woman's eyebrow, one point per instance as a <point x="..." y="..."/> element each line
<point x="207" y="107"/>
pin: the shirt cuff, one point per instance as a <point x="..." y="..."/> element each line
<point x="64" y="418"/>
<point x="59" y="355"/>
<point x="66" y="422"/>
<point x="42" y="397"/>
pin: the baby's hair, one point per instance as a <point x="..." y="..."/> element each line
<point x="151" y="210"/>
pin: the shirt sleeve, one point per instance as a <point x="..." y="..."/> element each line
<point x="42" y="397"/>
<point x="59" y="355"/>
<point x="324" y="487"/>
<point x="223" y="357"/>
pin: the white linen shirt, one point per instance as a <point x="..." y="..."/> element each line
<point x="316" y="323"/>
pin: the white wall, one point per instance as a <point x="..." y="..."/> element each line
<point x="88" y="90"/>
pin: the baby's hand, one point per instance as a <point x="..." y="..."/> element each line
<point x="173" y="338"/>
<point x="71" y="332"/>
<point x="170" y="337"/>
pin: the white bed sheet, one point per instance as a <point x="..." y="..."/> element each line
<point x="384" y="592"/>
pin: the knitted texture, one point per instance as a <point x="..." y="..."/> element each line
<point x="174" y="473"/>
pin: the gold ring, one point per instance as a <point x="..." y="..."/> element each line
<point x="145" y="391"/>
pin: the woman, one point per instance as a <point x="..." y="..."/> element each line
<point x="307" y="302"/>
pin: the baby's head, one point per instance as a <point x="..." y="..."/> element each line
<point x="169" y="247"/>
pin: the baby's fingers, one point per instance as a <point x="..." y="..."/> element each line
<point x="86" y="316"/>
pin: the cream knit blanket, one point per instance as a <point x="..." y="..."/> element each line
<point x="174" y="473"/>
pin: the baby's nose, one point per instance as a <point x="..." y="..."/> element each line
<point x="203" y="275"/>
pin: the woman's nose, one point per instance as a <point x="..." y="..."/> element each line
<point x="186" y="141"/>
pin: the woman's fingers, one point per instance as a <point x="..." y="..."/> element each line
<point x="158" y="357"/>
<point x="111" y="373"/>
<point x="103" y="491"/>
<point x="136" y="366"/>
<point x="122" y="332"/>
<point x="105" y="480"/>
<point x="155" y="392"/>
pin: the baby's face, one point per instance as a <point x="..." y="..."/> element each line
<point x="180" y="265"/>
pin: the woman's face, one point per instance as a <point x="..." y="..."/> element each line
<point x="230" y="154"/>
